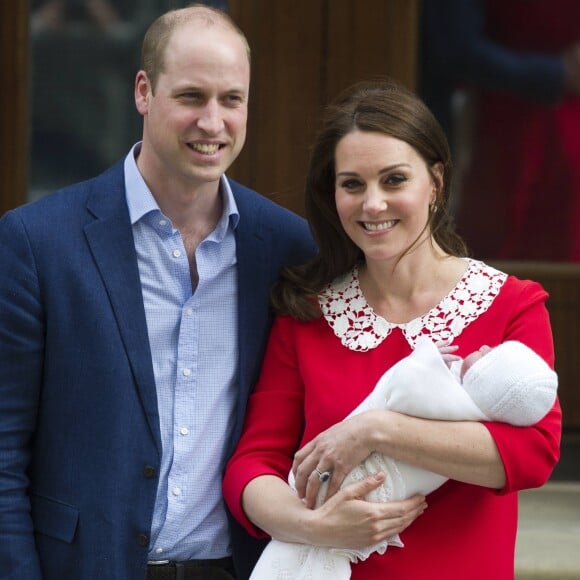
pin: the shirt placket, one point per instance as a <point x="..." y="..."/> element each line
<point x="185" y="389"/>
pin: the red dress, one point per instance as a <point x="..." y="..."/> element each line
<point x="520" y="199"/>
<point x="315" y="373"/>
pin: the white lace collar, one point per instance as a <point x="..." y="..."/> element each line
<point x="359" y="328"/>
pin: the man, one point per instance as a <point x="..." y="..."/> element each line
<point x="133" y="317"/>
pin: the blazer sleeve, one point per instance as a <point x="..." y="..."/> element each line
<point x="21" y="365"/>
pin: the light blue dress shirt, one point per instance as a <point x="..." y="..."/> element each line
<point x="194" y="348"/>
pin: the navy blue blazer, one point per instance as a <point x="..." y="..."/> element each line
<point x="80" y="445"/>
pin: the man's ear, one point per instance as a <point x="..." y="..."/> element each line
<point x="143" y="92"/>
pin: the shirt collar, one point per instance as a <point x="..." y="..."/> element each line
<point x="141" y="202"/>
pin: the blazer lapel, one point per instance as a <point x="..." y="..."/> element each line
<point x="110" y="239"/>
<point x="255" y="277"/>
<point x="254" y="264"/>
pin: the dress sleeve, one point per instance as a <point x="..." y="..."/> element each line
<point x="274" y="422"/>
<point x="529" y="454"/>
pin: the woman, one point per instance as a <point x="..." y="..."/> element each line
<point x="390" y="270"/>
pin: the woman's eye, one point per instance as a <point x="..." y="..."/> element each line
<point x="396" y="179"/>
<point x="350" y="184"/>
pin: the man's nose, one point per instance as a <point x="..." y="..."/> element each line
<point x="210" y="118"/>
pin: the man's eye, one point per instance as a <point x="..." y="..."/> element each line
<point x="191" y="96"/>
<point x="234" y="99"/>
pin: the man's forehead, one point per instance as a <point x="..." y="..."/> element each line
<point x="202" y="24"/>
<point x="191" y="31"/>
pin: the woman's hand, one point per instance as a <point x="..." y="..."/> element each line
<point x="338" y="450"/>
<point x="347" y="520"/>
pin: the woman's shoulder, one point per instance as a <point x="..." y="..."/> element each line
<point x="515" y="288"/>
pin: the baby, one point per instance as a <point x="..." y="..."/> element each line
<point x="466" y="363"/>
<point x="509" y="383"/>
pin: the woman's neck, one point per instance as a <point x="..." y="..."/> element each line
<point x="402" y="291"/>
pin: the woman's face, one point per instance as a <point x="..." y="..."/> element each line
<point x="383" y="189"/>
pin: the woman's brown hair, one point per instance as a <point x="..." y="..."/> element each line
<point x="379" y="106"/>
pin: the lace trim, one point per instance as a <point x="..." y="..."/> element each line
<point x="358" y="327"/>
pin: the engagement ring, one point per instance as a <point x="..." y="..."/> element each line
<point x="322" y="475"/>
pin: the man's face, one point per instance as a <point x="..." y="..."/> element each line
<point x="195" y="119"/>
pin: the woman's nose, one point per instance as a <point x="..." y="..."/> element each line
<point x="375" y="200"/>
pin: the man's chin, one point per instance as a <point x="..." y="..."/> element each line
<point x="200" y="177"/>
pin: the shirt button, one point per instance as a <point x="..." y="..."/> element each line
<point x="149" y="471"/>
<point x="189" y="311"/>
<point x="176" y="491"/>
<point x="143" y="539"/>
<point x="184" y="430"/>
<point x="176" y="253"/>
<point x="186" y="372"/>
<point x="162" y="222"/>
<point x="159" y="550"/>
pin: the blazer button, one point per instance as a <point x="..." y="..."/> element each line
<point x="143" y="539"/>
<point x="149" y="471"/>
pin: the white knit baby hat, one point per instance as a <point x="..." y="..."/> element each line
<point x="512" y="384"/>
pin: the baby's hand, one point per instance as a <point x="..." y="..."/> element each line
<point x="472" y="358"/>
<point x="447" y="351"/>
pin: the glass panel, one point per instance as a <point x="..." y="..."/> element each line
<point x="507" y="90"/>
<point x="84" y="56"/>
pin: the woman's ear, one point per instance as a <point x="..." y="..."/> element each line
<point x="437" y="171"/>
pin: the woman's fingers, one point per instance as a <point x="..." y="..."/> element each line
<point x="361" y="489"/>
<point x="303" y="467"/>
<point x="331" y="455"/>
<point x="352" y="522"/>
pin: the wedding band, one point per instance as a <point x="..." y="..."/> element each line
<point x="322" y="475"/>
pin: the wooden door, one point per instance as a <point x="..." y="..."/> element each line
<point x="303" y="53"/>
<point x="13" y="103"/>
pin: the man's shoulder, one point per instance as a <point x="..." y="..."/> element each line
<point x="249" y="200"/>
<point x="73" y="198"/>
<point x="287" y="233"/>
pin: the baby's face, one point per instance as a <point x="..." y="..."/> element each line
<point x="472" y="358"/>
